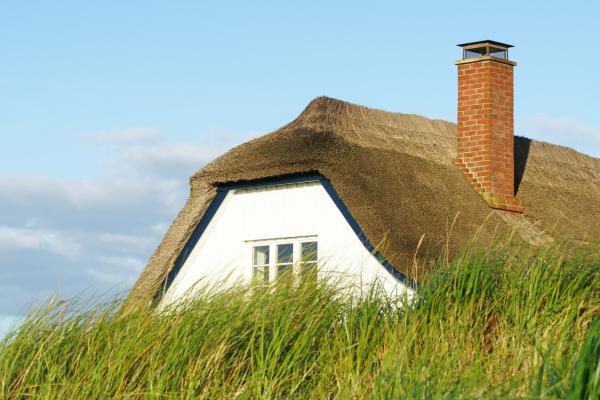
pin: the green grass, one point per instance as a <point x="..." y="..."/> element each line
<point x="499" y="323"/>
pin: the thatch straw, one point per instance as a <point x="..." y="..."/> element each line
<point x="394" y="172"/>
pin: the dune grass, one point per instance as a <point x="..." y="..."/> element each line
<point x="493" y="323"/>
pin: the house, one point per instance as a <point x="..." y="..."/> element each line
<point x="341" y="179"/>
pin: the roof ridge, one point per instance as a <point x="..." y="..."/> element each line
<point x="330" y="112"/>
<point x="334" y="112"/>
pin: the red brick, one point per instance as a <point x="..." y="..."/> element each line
<point x="485" y="128"/>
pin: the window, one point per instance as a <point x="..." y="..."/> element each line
<point x="260" y="263"/>
<point x="308" y="260"/>
<point x="285" y="259"/>
<point x="275" y="258"/>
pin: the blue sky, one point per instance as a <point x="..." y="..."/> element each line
<point x="107" y="108"/>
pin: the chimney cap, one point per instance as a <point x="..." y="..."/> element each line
<point x="484" y="42"/>
<point x="485" y="48"/>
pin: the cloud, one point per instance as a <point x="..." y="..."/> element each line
<point x="168" y="160"/>
<point x="112" y="203"/>
<point x="144" y="153"/>
<point x="123" y="262"/>
<point x="93" y="236"/>
<point x="112" y="279"/>
<point x="126" y="242"/>
<point x="32" y="239"/>
<point x="566" y="131"/>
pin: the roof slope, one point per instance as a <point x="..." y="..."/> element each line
<point x="395" y="174"/>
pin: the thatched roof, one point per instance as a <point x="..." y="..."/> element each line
<point x="394" y="172"/>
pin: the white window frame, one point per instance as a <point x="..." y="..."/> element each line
<point x="267" y="265"/>
<point x="296" y="242"/>
<point x="304" y="265"/>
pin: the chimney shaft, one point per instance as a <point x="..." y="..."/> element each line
<point x="485" y="148"/>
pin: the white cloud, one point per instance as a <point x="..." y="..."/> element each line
<point x="124" y="262"/>
<point x="32" y="239"/>
<point x="566" y="131"/>
<point x="144" y="153"/>
<point x="159" y="228"/>
<point x="106" y="199"/>
<point x="68" y="235"/>
<point x="168" y="160"/>
<point x="110" y="278"/>
<point x="126" y="242"/>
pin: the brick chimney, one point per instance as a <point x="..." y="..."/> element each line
<point x="485" y="148"/>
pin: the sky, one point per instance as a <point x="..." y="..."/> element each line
<point x="107" y="108"/>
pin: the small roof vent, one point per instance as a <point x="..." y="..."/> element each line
<point x="485" y="48"/>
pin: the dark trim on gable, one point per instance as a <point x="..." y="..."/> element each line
<point x="266" y="182"/>
<point x="281" y="180"/>
<point x="191" y="242"/>
<point x="363" y="238"/>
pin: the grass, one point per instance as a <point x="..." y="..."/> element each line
<point x="493" y="323"/>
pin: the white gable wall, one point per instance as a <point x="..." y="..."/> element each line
<point x="246" y="216"/>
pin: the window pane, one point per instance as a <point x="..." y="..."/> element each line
<point x="308" y="272"/>
<point x="284" y="269"/>
<point x="260" y="255"/>
<point x="285" y="253"/>
<point x="309" y="251"/>
<point x="261" y="274"/>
